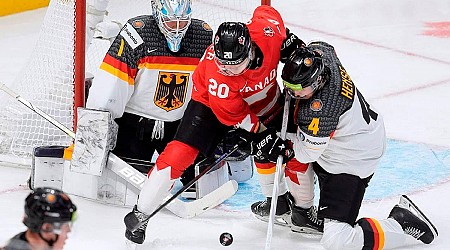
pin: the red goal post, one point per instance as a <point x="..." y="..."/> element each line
<point x="54" y="77"/>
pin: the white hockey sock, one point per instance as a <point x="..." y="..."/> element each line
<point x="340" y="235"/>
<point x="155" y="189"/>
<point x="266" y="182"/>
<point x="393" y="233"/>
<point x="302" y="187"/>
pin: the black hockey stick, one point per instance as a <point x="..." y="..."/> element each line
<point x="189" y="184"/>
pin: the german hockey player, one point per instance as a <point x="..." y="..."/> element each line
<point x="340" y="138"/>
<point x="145" y="79"/>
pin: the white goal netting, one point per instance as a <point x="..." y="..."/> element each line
<point x="47" y="80"/>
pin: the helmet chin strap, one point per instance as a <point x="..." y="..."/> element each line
<point x="49" y="242"/>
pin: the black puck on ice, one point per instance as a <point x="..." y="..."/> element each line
<point x="226" y="239"/>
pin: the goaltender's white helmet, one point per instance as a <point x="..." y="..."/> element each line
<point x="173" y="18"/>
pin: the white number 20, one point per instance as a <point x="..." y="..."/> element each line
<point x="220" y="90"/>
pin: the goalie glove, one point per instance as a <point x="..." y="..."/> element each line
<point x="291" y="43"/>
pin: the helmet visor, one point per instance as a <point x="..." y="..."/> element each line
<point x="233" y="69"/>
<point x="60" y="227"/>
<point x="297" y="91"/>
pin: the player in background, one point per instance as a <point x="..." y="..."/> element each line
<point x="49" y="214"/>
<point x="340" y="138"/>
<point x="234" y="87"/>
<point x="145" y="80"/>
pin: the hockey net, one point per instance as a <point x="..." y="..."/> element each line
<point x="48" y="79"/>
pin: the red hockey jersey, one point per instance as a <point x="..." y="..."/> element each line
<point x="239" y="100"/>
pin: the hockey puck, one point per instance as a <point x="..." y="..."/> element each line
<point x="226" y="239"/>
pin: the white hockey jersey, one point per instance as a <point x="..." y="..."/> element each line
<point x="139" y="74"/>
<point x="337" y="128"/>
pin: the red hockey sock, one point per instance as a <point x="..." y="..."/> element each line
<point x="178" y="156"/>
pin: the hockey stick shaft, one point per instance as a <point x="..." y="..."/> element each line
<point x="123" y="169"/>
<point x="278" y="172"/>
<point x="37" y="111"/>
<point x="118" y="166"/>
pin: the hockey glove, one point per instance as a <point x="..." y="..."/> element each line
<point x="291" y="43"/>
<point x="267" y="145"/>
<point x="257" y="144"/>
<point x="241" y="137"/>
<point x="280" y="147"/>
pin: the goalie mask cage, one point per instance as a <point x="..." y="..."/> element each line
<point x="53" y="79"/>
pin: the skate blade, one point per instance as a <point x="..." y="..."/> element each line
<point x="407" y="203"/>
<point x="306" y="230"/>
<point x="280" y="220"/>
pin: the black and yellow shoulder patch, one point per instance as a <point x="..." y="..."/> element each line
<point x="206" y="26"/>
<point x="138" y="24"/>
<point x="316" y="105"/>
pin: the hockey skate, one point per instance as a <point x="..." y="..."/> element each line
<point x="413" y="221"/>
<point x="136" y="224"/>
<point x="261" y="209"/>
<point x="305" y="221"/>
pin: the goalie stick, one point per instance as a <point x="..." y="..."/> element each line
<point x="136" y="178"/>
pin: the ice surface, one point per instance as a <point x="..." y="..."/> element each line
<point x="397" y="53"/>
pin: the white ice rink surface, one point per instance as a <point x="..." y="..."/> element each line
<point x="398" y="55"/>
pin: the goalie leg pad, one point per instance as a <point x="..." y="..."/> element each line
<point x="211" y="181"/>
<point x="47" y="167"/>
<point x="241" y="171"/>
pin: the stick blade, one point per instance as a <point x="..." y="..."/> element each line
<point x="191" y="209"/>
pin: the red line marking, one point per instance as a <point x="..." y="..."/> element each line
<point x="12" y="190"/>
<point x="425" y="86"/>
<point x="407" y="53"/>
<point x="437" y="29"/>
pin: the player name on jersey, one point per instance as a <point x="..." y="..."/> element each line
<point x="347" y="86"/>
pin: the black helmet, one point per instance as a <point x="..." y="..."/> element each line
<point x="303" y="69"/>
<point x="47" y="205"/>
<point x="232" y="43"/>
